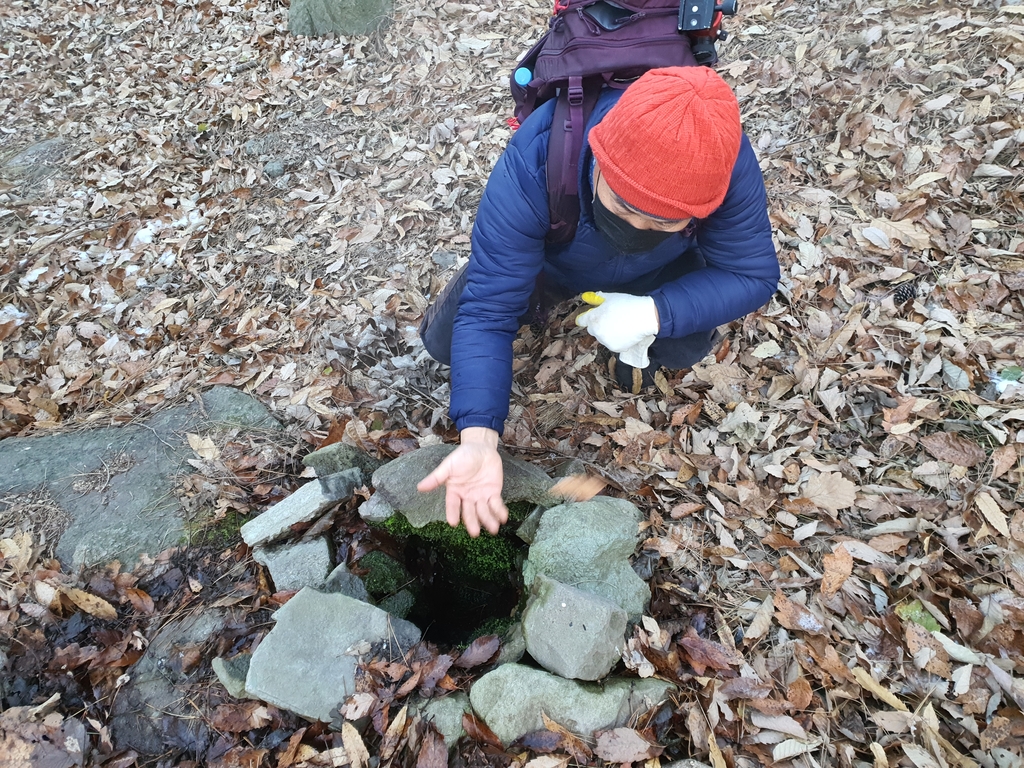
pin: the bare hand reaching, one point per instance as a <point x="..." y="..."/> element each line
<point x="472" y="476"/>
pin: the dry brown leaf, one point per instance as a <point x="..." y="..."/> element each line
<point x="795" y="616"/>
<point x="927" y="652"/>
<point x="871" y="685"/>
<point x="94" y="606"/>
<point x="954" y="448"/>
<point x="992" y="513"/>
<point x="577" y="487"/>
<point x="1003" y="460"/>
<point x="831" y="491"/>
<point x="358" y="755"/>
<point x="624" y="745"/>
<point x="799" y="694"/>
<point x="204" y="447"/>
<point x="838" y="568"/>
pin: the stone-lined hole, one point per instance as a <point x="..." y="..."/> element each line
<point x="452" y="586"/>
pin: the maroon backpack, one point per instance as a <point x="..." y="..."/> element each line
<point x="593" y="43"/>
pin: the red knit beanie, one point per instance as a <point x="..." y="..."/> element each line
<point x="669" y="145"/>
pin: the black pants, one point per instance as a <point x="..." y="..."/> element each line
<point x="439" y="319"/>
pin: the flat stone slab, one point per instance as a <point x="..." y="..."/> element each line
<point x="343" y="582"/>
<point x="303" y="505"/>
<point x="511" y="698"/>
<point x="587" y="545"/>
<point x="115" y="485"/>
<point x="395" y="484"/>
<point x="307" y="663"/>
<point x="294" y="566"/>
<point x="573" y="633"/>
<point x="339" y="457"/>
<point x="343" y="17"/>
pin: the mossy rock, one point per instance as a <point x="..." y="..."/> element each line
<point x="385" y="576"/>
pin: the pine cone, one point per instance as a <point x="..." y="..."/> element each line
<point x="904" y="293"/>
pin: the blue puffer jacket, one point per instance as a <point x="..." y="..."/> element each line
<point x="509" y="252"/>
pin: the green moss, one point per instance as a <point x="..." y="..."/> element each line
<point x="385" y="576"/>
<point x="485" y="558"/>
<point x="220" y="533"/>
<point x="399" y="604"/>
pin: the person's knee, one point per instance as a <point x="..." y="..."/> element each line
<point x="437" y="344"/>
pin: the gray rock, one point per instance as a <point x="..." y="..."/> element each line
<point x="154" y="691"/>
<point x="527" y="529"/>
<point x="301" y="507"/>
<point x="35" y="161"/>
<point x="572" y="633"/>
<point x="294" y="566"/>
<point x="115" y="486"/>
<point x="343" y="17"/>
<point x="687" y="763"/>
<point x="233" y="408"/>
<point x="587" y="545"/>
<point x="568" y="468"/>
<point x="511" y="698"/>
<point x="375" y="509"/>
<point x="395" y="483"/>
<point x="307" y="663"/>
<point x="342" y="581"/>
<point x="338" y="457"/>
<point x="231" y="673"/>
<point x="339" y="486"/>
<point x="513" y="645"/>
<point x="446" y="715"/>
<point x="274" y="169"/>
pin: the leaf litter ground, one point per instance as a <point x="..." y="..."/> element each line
<point x="189" y="196"/>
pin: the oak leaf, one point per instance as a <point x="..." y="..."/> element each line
<point x="830" y="491"/>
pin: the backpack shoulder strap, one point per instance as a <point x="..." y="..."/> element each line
<point x="572" y="110"/>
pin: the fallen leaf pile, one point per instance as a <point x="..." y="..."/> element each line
<point x="190" y="196"/>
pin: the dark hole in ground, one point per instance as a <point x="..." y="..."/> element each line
<point x="453" y="587"/>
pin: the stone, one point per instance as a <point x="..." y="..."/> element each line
<point x="153" y="692"/>
<point x="587" y="545"/>
<point x="274" y="169"/>
<point x="231" y="407"/>
<point x="294" y="566"/>
<point x="511" y="698"/>
<point x="307" y="662"/>
<point x="231" y="673"/>
<point x="337" y="457"/>
<point x="339" y="486"/>
<point x="301" y="507"/>
<point x="446" y="715"/>
<point x="572" y="633"/>
<point x="114" y="487"/>
<point x="513" y="645"/>
<point x="375" y="509"/>
<point x="395" y="483"/>
<point x="342" y="17"/>
<point x="687" y="763"/>
<point x="527" y="529"/>
<point x="343" y="582"/>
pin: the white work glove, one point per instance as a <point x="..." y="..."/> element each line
<point x="626" y="324"/>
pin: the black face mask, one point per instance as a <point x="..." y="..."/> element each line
<point x="622" y="235"/>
